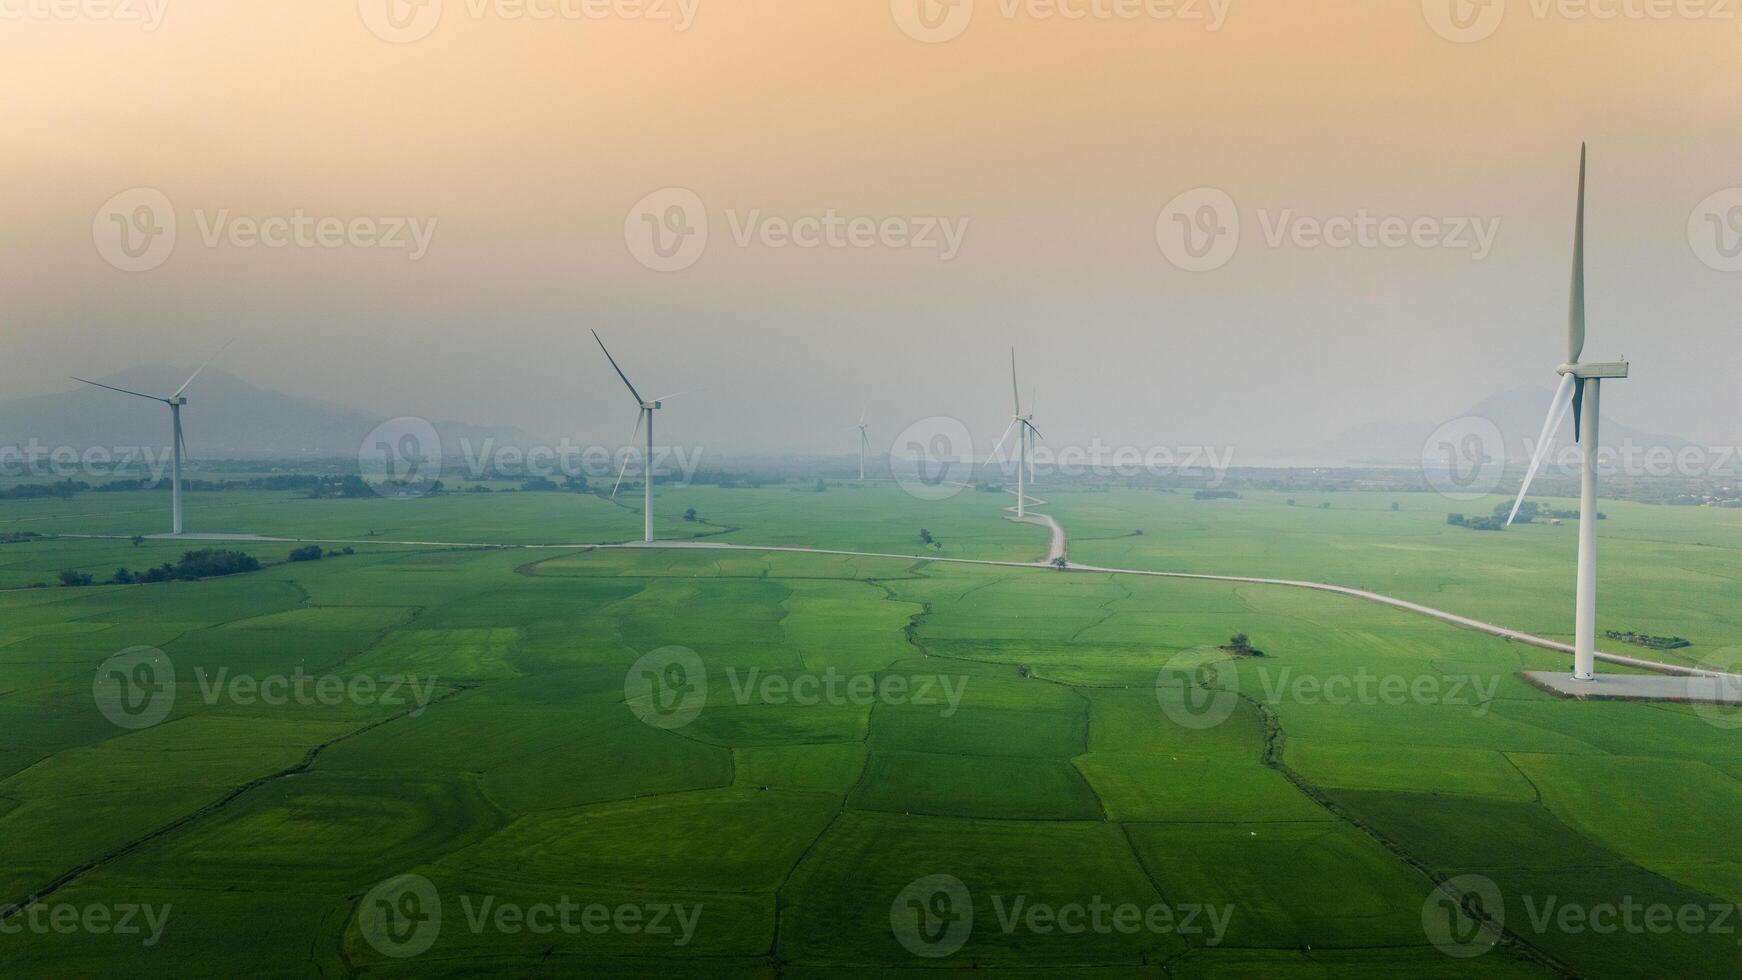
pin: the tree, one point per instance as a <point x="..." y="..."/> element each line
<point x="1457" y="520"/>
<point x="313" y="552"/>
<point x="1527" y="514"/>
<point x="123" y="577"/>
<point x="925" y="536"/>
<point x="690" y="515"/>
<point x="1395" y="506"/>
<point x="1240" y="643"/>
<point x="138" y="539"/>
<point x="74" y="580"/>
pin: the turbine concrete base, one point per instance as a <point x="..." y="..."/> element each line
<point x="1640" y="687"/>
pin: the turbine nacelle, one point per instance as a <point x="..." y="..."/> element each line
<point x="1587" y="372"/>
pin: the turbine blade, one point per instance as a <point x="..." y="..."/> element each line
<point x="124" y="391"/>
<point x="1034" y="430"/>
<point x="202" y="367"/>
<point x="1000" y="445"/>
<point x="1014" y="393"/>
<point x="1576" y="318"/>
<point x="619" y="370"/>
<point x="1551" y="427"/>
<point x="1579" y="412"/>
<point x="666" y="398"/>
<point x="632" y="434"/>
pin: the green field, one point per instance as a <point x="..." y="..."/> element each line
<point x="865" y="736"/>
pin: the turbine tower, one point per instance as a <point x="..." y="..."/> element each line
<point x="644" y="416"/>
<point x="1581" y="391"/>
<point x="864" y="444"/>
<point x="175" y="403"/>
<point x="1023" y="424"/>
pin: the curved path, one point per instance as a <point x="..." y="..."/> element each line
<point x="1055" y="552"/>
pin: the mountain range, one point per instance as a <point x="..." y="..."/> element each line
<point x="226" y="418"/>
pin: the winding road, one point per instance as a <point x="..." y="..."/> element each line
<point x="1057" y="550"/>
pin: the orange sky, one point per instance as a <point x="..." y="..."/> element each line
<point x="1057" y="140"/>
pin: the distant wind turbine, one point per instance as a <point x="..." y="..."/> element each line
<point x="175" y="403"/>
<point x="1023" y="425"/>
<point x="643" y="416"/>
<point x="1581" y="391"/>
<point x="864" y="444"/>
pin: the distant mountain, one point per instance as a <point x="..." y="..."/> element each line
<point x="1518" y="414"/>
<point x="226" y="418"/>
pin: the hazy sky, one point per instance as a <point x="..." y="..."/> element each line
<point x="530" y="142"/>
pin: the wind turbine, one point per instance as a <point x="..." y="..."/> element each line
<point x="864" y="444"/>
<point x="1581" y="391"/>
<point x="175" y="403"/>
<point x="1023" y="425"/>
<point x="645" y="415"/>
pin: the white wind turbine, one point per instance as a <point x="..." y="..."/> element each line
<point x="175" y="403"/>
<point x="644" y="416"/>
<point x="1580" y="391"/>
<point x="864" y="444"/>
<point x="1023" y="424"/>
